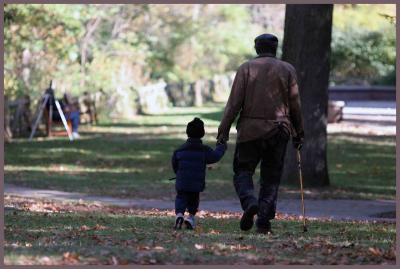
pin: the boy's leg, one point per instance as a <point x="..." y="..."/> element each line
<point x="180" y="208"/>
<point x="193" y="205"/>
<point x="180" y="202"/>
<point x="193" y="202"/>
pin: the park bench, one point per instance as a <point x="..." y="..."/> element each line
<point x="335" y="111"/>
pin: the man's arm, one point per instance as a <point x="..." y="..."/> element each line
<point x="234" y="104"/>
<point x="295" y="112"/>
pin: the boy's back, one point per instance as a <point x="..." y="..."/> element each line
<point x="189" y="162"/>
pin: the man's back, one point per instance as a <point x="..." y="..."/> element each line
<point x="266" y="93"/>
<point x="263" y="93"/>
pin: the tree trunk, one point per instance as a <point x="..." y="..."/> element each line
<point x="307" y="46"/>
<point x="91" y="27"/>
<point x="198" y="95"/>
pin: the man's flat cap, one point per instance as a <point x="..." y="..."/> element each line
<point x="266" y="39"/>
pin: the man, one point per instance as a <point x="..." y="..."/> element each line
<point x="265" y="93"/>
<point x="70" y="108"/>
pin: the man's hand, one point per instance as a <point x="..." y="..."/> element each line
<point x="297" y="142"/>
<point x="221" y="140"/>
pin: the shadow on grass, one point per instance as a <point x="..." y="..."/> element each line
<point x="119" y="164"/>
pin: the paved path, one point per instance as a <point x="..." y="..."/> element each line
<point x="335" y="209"/>
<point x="367" y="118"/>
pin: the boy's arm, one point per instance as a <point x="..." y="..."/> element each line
<point x="174" y="162"/>
<point x="213" y="156"/>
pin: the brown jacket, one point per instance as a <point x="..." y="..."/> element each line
<point x="265" y="92"/>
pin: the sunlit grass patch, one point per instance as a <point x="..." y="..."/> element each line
<point x="132" y="159"/>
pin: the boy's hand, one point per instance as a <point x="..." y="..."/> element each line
<point x="221" y="140"/>
<point x="222" y="144"/>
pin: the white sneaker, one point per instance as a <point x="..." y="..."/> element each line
<point x="75" y="135"/>
<point x="190" y="222"/>
<point x="178" y="221"/>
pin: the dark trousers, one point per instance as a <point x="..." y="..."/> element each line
<point x="271" y="152"/>
<point x="187" y="200"/>
<point x="74" y="116"/>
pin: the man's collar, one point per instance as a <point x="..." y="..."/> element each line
<point x="266" y="55"/>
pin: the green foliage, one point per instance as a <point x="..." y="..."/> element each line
<point x="363" y="44"/>
<point x="88" y="47"/>
<point x="36" y="40"/>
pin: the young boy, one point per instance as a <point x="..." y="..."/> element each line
<point x="189" y="163"/>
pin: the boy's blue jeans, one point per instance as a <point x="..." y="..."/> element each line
<point x="74" y="117"/>
<point x="187" y="200"/>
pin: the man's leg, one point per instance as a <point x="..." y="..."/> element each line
<point x="75" y="119"/>
<point x="245" y="161"/>
<point x="274" y="150"/>
<point x="247" y="156"/>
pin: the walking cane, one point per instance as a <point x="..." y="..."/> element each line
<point x="301" y="190"/>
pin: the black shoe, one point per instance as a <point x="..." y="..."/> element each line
<point x="178" y="223"/>
<point x="265" y="230"/>
<point x="247" y="220"/>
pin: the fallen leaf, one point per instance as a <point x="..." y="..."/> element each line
<point x="99" y="227"/>
<point x="70" y="257"/>
<point x="375" y="251"/>
<point x="347" y="244"/>
<point x="198" y="246"/>
<point x="84" y="228"/>
<point x="114" y="260"/>
<point x="143" y="248"/>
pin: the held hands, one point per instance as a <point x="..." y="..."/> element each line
<point x="221" y="141"/>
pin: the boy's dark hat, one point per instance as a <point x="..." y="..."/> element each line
<point x="195" y="128"/>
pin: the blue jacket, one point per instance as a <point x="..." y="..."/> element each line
<point x="189" y="163"/>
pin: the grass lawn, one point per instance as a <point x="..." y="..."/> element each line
<point x="45" y="232"/>
<point x="132" y="159"/>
